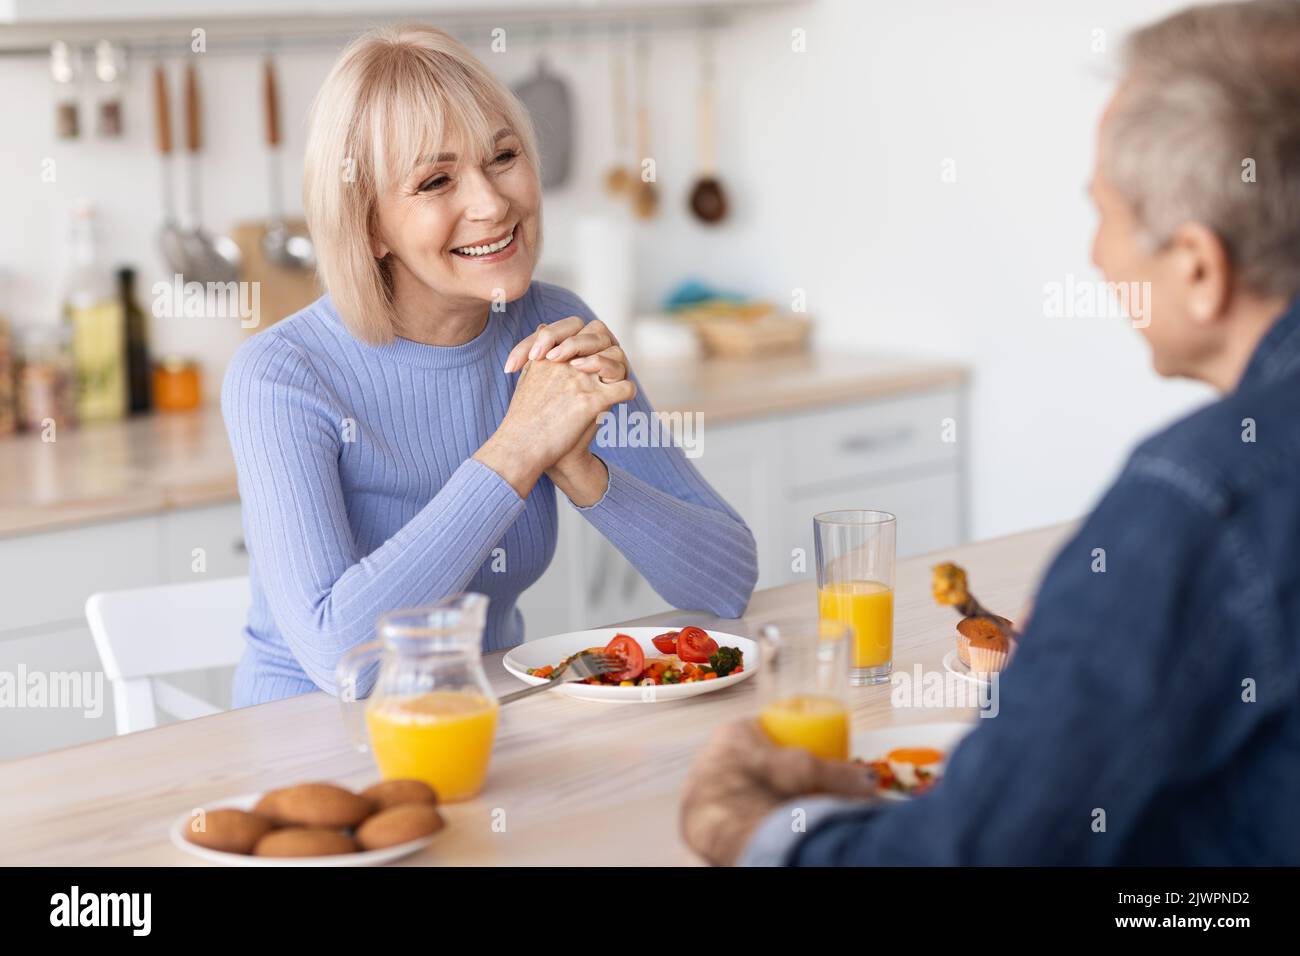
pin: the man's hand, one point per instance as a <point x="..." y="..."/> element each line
<point x="741" y="776"/>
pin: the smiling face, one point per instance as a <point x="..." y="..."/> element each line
<point x="462" y="228"/>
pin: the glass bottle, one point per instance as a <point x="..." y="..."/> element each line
<point x="430" y="712"/>
<point x="139" y="374"/>
<point x="94" y="313"/>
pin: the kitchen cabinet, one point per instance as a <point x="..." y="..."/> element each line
<point x="43" y="627"/>
<point x="202" y="541"/>
<point x="927" y="507"/>
<point x="737" y="461"/>
<point x="61" y="656"/>
<point x="50" y="575"/>
<point x="849" y="443"/>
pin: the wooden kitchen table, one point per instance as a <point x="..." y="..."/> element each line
<point x="571" y="782"/>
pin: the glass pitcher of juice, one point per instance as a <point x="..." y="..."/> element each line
<point x="804" y="683"/>
<point x="430" y="712"/>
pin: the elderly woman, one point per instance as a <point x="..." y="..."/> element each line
<point x="396" y="432"/>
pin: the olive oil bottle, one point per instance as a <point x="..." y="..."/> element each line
<point x="93" y="310"/>
<point x="139" y="372"/>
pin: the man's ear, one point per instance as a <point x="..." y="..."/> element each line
<point x="1203" y="266"/>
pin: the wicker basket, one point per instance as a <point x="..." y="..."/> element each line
<point x="725" y="337"/>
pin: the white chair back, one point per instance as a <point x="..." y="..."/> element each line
<point x="143" y="634"/>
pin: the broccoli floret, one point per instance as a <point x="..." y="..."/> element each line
<point x="725" y="660"/>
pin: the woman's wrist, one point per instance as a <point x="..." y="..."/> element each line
<point x="582" y="477"/>
<point x="515" y="466"/>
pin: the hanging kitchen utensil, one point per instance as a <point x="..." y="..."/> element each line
<point x="110" y="63"/>
<point x="708" y="200"/>
<point x="212" y="257"/>
<point x="618" y="180"/>
<point x="283" y="246"/>
<point x="547" y="99"/>
<point x="284" y="290"/>
<point x="645" y="194"/>
<point x="170" y="237"/>
<point x="65" y="65"/>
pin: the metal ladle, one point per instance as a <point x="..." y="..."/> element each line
<point x="281" y="245"/>
<point x="212" y="258"/>
<point x="171" y="239"/>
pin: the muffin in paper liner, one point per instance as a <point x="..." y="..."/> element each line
<point x="978" y="627"/>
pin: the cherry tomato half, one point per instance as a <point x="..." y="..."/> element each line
<point x="628" y="649"/>
<point x="666" y="643"/>
<point x="695" y="645"/>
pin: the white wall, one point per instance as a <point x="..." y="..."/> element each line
<point x="833" y="160"/>
<point x="1011" y="92"/>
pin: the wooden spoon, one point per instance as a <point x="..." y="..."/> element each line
<point x="708" y="200"/>
<point x="645" y="195"/>
<point x="618" y="180"/>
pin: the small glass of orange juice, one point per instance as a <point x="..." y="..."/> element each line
<point x="855" y="585"/>
<point x="431" y="714"/>
<point x="803" y="685"/>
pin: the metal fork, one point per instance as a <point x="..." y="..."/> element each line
<point x="578" y="667"/>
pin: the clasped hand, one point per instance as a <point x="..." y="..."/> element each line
<point x="571" y="373"/>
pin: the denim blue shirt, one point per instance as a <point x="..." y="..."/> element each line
<point x="1152" y="713"/>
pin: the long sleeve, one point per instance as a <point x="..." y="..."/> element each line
<point x="286" y="429"/>
<point x="658" y="510"/>
<point x="680" y="534"/>
<point x="687" y="542"/>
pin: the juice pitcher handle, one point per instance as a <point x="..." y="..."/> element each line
<point x="347" y="674"/>
<point x="769" y="643"/>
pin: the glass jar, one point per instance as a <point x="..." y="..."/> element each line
<point x="430" y="713"/>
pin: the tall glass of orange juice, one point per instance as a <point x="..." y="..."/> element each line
<point x="430" y="713"/>
<point x="855" y="585"/>
<point x="803" y="685"/>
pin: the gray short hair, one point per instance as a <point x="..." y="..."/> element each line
<point x="1209" y="101"/>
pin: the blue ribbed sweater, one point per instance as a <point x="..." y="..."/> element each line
<point x="360" y="495"/>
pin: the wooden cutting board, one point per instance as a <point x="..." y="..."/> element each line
<point x="282" y="291"/>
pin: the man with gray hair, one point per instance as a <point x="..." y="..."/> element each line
<point x="1152" y="712"/>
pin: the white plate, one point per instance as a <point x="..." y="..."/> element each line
<point x="552" y="650"/>
<point x="953" y="665"/>
<point x="872" y="745"/>
<point x="247" y="802"/>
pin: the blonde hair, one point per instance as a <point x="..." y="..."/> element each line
<point x="1210" y="96"/>
<point x="395" y="95"/>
